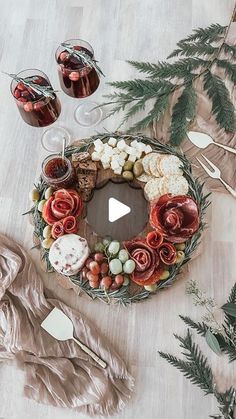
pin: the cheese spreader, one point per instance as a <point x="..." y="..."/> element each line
<point x="58" y="325"/>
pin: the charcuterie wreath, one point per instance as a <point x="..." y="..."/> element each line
<point x="75" y="209"/>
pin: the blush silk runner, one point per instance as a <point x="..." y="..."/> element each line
<point x="57" y="373"/>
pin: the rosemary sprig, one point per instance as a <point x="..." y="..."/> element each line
<point x="46" y="91"/>
<point x="83" y="56"/>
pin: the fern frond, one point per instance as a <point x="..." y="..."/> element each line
<point x="222" y="107"/>
<point x="212" y="33"/>
<point x="201" y="328"/>
<point x="230" y="50"/>
<point x="183" y="112"/>
<point x="196" y="368"/>
<point x="230" y="69"/>
<point x="195" y="48"/>
<point x="155" y="113"/>
<point x="179" y="69"/>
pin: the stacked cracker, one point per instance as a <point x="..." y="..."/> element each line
<point x="162" y="175"/>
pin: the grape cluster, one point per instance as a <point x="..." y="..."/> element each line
<point x="108" y="267"/>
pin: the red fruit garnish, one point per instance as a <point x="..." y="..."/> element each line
<point x="20" y="86"/>
<point x="99" y="257"/>
<point x="92" y="277"/>
<point x="104" y="268"/>
<point x="77" y="47"/>
<point x="119" y="279"/>
<point x="74" y="76"/>
<point x="28" y="107"/>
<point x="84" y="272"/>
<point x="38" y="105"/>
<point x="22" y="99"/>
<point x="64" y="56"/>
<point x="94" y="268"/>
<point x="38" y="80"/>
<point x="17" y="93"/>
<point x="88" y="262"/>
<point x="24" y="93"/>
<point x="106" y="282"/>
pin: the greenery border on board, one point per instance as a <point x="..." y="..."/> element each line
<point x="200" y="55"/>
<point x="123" y="295"/>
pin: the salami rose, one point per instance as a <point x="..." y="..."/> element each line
<point x="154" y="239"/>
<point x="167" y="253"/>
<point x="175" y="217"/>
<point x="147" y="270"/>
<point x="62" y="203"/>
<point x="70" y="224"/>
<point x="57" y="230"/>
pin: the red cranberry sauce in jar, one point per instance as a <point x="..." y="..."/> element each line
<point x="58" y="172"/>
<point x="77" y="79"/>
<point x="36" y="109"/>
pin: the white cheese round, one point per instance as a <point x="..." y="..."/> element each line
<point x="68" y="254"/>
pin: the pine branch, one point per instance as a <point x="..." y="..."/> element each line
<point x="183" y="112"/>
<point x="213" y="33"/>
<point x="201" y="328"/>
<point x="139" y="87"/>
<point x="230" y="50"/>
<point x="222" y="107"/>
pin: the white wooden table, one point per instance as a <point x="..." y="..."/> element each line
<point x="119" y="30"/>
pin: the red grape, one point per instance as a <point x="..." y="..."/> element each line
<point x="106" y="282"/>
<point x="94" y="267"/>
<point x="99" y="257"/>
<point x="104" y="268"/>
<point x="94" y="284"/>
<point x="119" y="279"/>
<point x="92" y="277"/>
<point x="84" y="272"/>
<point x="88" y="262"/>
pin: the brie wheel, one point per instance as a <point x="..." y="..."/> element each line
<point x="68" y="254"/>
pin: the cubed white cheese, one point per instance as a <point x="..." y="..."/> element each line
<point x="98" y="145"/>
<point x="105" y="165"/>
<point x="118" y="171"/>
<point x="148" y="149"/>
<point x="138" y="154"/>
<point x="141" y="146"/>
<point x="132" y="158"/>
<point x="96" y="156"/>
<point x="121" y="160"/>
<point x="128" y="149"/>
<point x="105" y="158"/>
<point x="121" y="145"/>
<point x="123" y="154"/>
<point x="115" y="165"/>
<point x="116" y="150"/>
<point x="108" y="150"/>
<point x="112" y="141"/>
<point x="134" y="144"/>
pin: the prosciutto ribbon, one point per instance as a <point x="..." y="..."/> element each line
<point x="63" y="203"/>
<point x="147" y="270"/>
<point x="175" y="217"/>
<point x="167" y="253"/>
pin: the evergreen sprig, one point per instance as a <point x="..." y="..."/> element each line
<point x="199" y="57"/>
<point x="195" y="367"/>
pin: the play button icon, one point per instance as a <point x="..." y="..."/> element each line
<point x="116" y="210"/>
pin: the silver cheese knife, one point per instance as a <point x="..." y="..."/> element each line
<point x="201" y="140"/>
<point x="58" y="325"/>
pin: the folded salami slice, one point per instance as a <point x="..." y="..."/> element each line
<point x="68" y="254"/>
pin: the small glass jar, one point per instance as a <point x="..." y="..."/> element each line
<point x="76" y="79"/>
<point x="58" y="172"/>
<point x="35" y="109"/>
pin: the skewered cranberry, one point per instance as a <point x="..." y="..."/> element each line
<point x="28" y="107"/>
<point x="74" y="76"/>
<point x="38" y="105"/>
<point x="17" y="93"/>
<point x="20" y="86"/>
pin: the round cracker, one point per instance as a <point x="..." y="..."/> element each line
<point x="153" y="165"/>
<point x="144" y="178"/>
<point x="152" y="189"/>
<point x="176" y="185"/>
<point x="146" y="161"/>
<point x="170" y="165"/>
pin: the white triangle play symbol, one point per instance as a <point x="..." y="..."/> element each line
<point x="116" y="210"/>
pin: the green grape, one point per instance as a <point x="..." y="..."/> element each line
<point x="129" y="266"/>
<point x="115" y="266"/>
<point x="123" y="255"/>
<point x="114" y="247"/>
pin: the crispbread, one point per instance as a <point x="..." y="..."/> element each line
<point x="152" y="189"/>
<point x="144" y="177"/>
<point x="153" y="164"/>
<point x="170" y="165"/>
<point x="146" y="161"/>
<point x="176" y="185"/>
